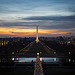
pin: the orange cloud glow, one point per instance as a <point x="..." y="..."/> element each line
<point x="27" y="32"/>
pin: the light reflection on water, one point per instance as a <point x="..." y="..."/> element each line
<point x="34" y="59"/>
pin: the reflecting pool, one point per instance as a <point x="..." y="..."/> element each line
<point x="34" y="59"/>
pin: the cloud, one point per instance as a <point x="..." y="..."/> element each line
<point x="55" y="18"/>
<point x="1" y="20"/>
<point x="36" y="7"/>
<point x="44" y="22"/>
<point x="54" y="22"/>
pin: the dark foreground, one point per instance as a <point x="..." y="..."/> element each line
<point x="47" y="71"/>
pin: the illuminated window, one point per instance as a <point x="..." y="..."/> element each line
<point x="73" y="60"/>
<point x="2" y="43"/>
<point x="12" y="52"/>
<point x="7" y="42"/>
<point x="54" y="52"/>
<point x="54" y="59"/>
<point x="68" y="42"/>
<point x="37" y="53"/>
<point x="69" y="52"/>
<point x="69" y="60"/>
<point x="17" y="58"/>
<point x="13" y="59"/>
<point x="40" y="52"/>
<point x="40" y="59"/>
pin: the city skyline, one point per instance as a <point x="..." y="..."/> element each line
<point x="18" y="18"/>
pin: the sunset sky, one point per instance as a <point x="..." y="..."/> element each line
<point x="19" y="18"/>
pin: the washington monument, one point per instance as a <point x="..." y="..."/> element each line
<point x="37" y="40"/>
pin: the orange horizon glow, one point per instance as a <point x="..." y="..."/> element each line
<point x="26" y="32"/>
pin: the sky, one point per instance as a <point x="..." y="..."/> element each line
<point x="19" y="18"/>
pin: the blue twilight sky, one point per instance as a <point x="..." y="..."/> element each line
<point x="58" y="15"/>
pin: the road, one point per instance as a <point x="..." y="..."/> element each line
<point x="34" y="48"/>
